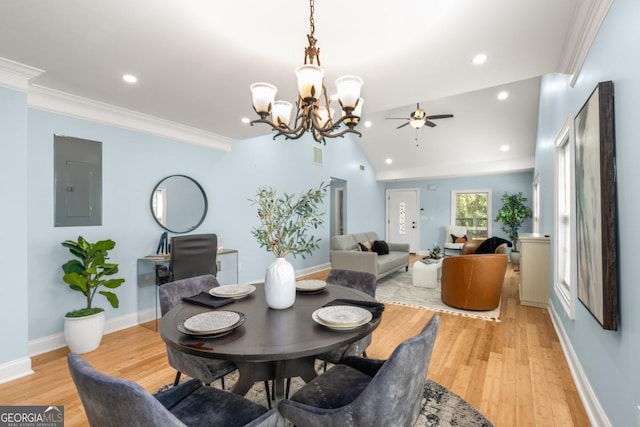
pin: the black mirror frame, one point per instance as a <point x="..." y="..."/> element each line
<point x="204" y="196"/>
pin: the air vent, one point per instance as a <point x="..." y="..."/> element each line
<point x="317" y="155"/>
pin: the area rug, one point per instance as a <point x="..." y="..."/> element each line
<point x="398" y="289"/>
<point x="440" y="407"/>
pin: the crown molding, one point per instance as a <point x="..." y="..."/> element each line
<point x="15" y="75"/>
<point x="42" y="98"/>
<point x="585" y="24"/>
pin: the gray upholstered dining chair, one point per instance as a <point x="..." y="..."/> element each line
<point x="110" y="401"/>
<point x="205" y="369"/>
<point x="365" y="282"/>
<point x="367" y="392"/>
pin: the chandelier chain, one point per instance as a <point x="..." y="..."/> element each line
<point x="312" y="24"/>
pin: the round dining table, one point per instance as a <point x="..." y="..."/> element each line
<point x="271" y="344"/>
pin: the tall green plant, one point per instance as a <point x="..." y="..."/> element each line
<point x="87" y="273"/>
<point x="512" y="215"/>
<point x="286" y="220"/>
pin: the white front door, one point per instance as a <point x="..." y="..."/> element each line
<point x="402" y="217"/>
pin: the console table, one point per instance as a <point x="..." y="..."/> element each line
<point x="148" y="303"/>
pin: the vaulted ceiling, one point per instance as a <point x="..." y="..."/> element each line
<point x="195" y="61"/>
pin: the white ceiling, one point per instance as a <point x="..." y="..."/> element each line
<point x="195" y="60"/>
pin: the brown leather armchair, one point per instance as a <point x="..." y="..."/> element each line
<point x="473" y="282"/>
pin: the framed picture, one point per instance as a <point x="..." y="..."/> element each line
<point x="596" y="207"/>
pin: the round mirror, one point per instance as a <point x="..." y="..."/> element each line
<point x="179" y="204"/>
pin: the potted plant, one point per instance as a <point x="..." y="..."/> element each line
<point x="435" y="252"/>
<point x="88" y="273"/>
<point x="285" y="222"/>
<point x="512" y="215"/>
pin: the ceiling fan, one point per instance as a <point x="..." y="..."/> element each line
<point x="419" y="118"/>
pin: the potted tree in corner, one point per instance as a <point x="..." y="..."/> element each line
<point x="512" y="215"/>
<point x="83" y="328"/>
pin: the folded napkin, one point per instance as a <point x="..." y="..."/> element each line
<point x="208" y="300"/>
<point x="375" y="308"/>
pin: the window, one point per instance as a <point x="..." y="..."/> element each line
<point x="536" y="204"/>
<point x="563" y="283"/>
<point x="472" y="209"/>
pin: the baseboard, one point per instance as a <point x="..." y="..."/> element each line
<point x="15" y="369"/>
<point x="56" y="341"/>
<point x="592" y="406"/>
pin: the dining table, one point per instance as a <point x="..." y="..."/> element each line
<point x="271" y="344"/>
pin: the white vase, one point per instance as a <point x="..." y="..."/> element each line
<point x="280" y="284"/>
<point x="84" y="334"/>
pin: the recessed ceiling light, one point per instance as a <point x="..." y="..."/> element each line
<point x="503" y="95"/>
<point x="504" y="148"/>
<point x="245" y="120"/>
<point x="479" y="59"/>
<point x="388" y="161"/>
<point x="129" y="78"/>
<point x="367" y="124"/>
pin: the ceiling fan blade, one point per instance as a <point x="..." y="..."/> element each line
<point x="430" y="124"/>
<point x="440" y="116"/>
<point x="401" y="126"/>
<point x="397" y="118"/>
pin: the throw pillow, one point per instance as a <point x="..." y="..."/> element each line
<point x="486" y="247"/>
<point x="364" y="247"/>
<point x="380" y="247"/>
<point x="456" y="239"/>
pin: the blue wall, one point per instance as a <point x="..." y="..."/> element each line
<point x="13" y="217"/>
<point x="132" y="165"/>
<point x="437" y="203"/>
<point x="609" y="359"/>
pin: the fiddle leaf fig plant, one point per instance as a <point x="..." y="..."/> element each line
<point x="286" y="219"/>
<point x="512" y="215"/>
<point x="89" y="272"/>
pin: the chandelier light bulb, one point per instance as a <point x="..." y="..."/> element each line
<point x="282" y="113"/>
<point x="309" y="82"/>
<point x="348" y="91"/>
<point x="263" y="96"/>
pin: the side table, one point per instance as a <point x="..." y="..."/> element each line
<point x="427" y="275"/>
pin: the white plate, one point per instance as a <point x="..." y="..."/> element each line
<point x="212" y="321"/>
<point x="342" y="315"/>
<point x="232" y="291"/>
<point x="310" y="285"/>
<point x="316" y="319"/>
<point x="215" y="334"/>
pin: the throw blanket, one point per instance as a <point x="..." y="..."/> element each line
<point x="490" y="245"/>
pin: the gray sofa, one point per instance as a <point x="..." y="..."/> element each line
<point x="347" y="255"/>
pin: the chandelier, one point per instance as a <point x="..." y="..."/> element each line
<point x="313" y="112"/>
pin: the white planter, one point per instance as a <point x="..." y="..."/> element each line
<point x="280" y="284"/>
<point x="515" y="258"/>
<point x="84" y="334"/>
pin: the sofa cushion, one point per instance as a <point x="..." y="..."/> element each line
<point x="345" y="242"/>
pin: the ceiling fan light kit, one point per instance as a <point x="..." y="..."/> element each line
<point x="419" y="118"/>
<point x="313" y="112"/>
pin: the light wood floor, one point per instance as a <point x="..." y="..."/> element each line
<point x="514" y="371"/>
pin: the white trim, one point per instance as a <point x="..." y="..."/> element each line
<point x="568" y="298"/>
<point x="15" y="369"/>
<point x="585" y="24"/>
<point x="15" y="75"/>
<point x="54" y="101"/>
<point x="592" y="406"/>
<point x="301" y="272"/>
<point x="55" y="341"/>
